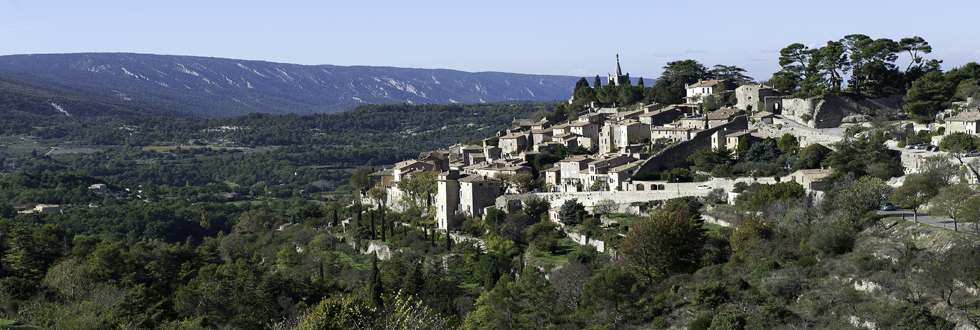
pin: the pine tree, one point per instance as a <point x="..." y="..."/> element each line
<point x="414" y="281"/>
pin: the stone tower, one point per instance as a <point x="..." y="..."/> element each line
<point x="619" y="78"/>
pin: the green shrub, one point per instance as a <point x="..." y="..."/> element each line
<point x="709" y="295"/>
<point x="916" y="317"/>
<point x="868" y="263"/>
<point x="781" y="288"/>
<point x="832" y="239"/>
<point x="729" y="320"/>
<point x="547" y="244"/>
<point x="16" y="288"/>
<point x="702" y="322"/>
<point x="765" y="267"/>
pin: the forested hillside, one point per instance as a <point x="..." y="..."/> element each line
<point x="215" y="87"/>
<point x="27" y="97"/>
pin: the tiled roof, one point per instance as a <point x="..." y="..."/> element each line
<point x="965" y="116"/>
<point x="708" y="83"/>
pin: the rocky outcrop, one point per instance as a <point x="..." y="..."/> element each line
<point x="829" y="111"/>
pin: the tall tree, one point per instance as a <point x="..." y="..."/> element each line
<point x="670" y="87"/>
<point x="950" y="200"/>
<point x="914" y="46"/>
<point x="914" y="192"/>
<point x="360" y="180"/>
<point x="610" y="296"/>
<point x="666" y="244"/>
<point x="375" y="289"/>
<point x="730" y="73"/>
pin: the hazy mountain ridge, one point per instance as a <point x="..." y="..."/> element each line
<point x="219" y="87"/>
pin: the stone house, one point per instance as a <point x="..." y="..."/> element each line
<point x="621" y="134"/>
<point x="764" y="117"/>
<point x="586" y="129"/>
<point x="810" y="179"/>
<point x="469" y="194"/>
<point x="704" y="88"/>
<point x="512" y="143"/>
<point x="749" y="96"/>
<point x="438" y="158"/>
<point x="674" y="133"/>
<point x="732" y="139"/>
<point x="539" y="136"/>
<point x="512" y="203"/>
<point x="661" y="117"/>
<point x="403" y="169"/>
<point x="965" y="122"/>
<point x="383" y="178"/>
<point x="723" y="116"/>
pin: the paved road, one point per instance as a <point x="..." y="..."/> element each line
<point x="923" y="218"/>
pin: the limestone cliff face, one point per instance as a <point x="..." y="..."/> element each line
<point x="832" y="110"/>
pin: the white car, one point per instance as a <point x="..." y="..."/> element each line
<point x="703" y="187"/>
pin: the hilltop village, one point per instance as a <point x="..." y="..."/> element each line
<point x="635" y="153"/>
<point x="708" y="200"/>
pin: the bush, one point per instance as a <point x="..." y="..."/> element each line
<point x="16" y="288"/>
<point x="547" y="244"/>
<point x="916" y="317"/>
<point x="721" y="171"/>
<point x="782" y="288"/>
<point x="832" y="239"/>
<point x="868" y="263"/>
<point x="729" y="320"/>
<point x="702" y="322"/>
<point x="709" y="295"/>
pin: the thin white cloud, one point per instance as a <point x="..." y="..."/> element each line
<point x="948" y="52"/>
<point x="688" y="51"/>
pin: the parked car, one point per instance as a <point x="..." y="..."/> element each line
<point x="933" y="148"/>
<point x="971" y="153"/>
<point x="703" y="187"/>
<point x="887" y="207"/>
<point x="923" y="146"/>
<point x="913" y="145"/>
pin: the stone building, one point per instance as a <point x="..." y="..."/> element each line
<point x="749" y="96"/>
<point x="965" y="122"/>
<point x="695" y="92"/>
<point x="465" y="193"/>
<point x="619" y="78"/>
<point x="512" y="143"/>
<point x="618" y="134"/>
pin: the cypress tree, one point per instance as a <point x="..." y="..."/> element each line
<point x="382" y="229"/>
<point x="374" y="283"/>
<point x="371" y="217"/>
<point x="336" y="220"/>
<point x="449" y="241"/>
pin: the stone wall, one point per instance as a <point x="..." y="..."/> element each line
<point x="583" y="240"/>
<point x="831" y="110"/>
<point x="804" y="135"/>
<point x="623" y="199"/>
<point x="676" y="154"/>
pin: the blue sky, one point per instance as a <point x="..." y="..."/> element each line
<point x="577" y="38"/>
